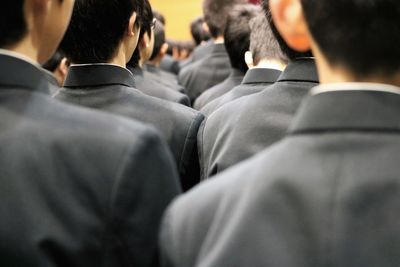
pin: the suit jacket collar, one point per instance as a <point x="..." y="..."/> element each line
<point x="356" y="110"/>
<point x="18" y="73"/>
<point x="92" y="75"/>
<point x="261" y="75"/>
<point x="300" y="70"/>
<point x="218" y="49"/>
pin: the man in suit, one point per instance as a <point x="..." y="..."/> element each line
<point x="143" y="80"/>
<point x="215" y="67"/>
<point x="265" y="60"/>
<point x="152" y="68"/>
<point x="328" y="194"/>
<point x="98" y="79"/>
<point x="237" y="43"/>
<point x="248" y="125"/>
<point x="78" y="187"/>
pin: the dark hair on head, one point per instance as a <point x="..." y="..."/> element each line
<point x="159" y="39"/>
<point x="97" y="27"/>
<point x="263" y="44"/>
<point x="197" y="30"/>
<point x="12" y="23"/>
<point x="216" y="14"/>
<point x="55" y="61"/>
<point x="287" y="51"/>
<point x="160" y="17"/>
<point x="362" y="36"/>
<point x="147" y="20"/>
<point x="237" y="34"/>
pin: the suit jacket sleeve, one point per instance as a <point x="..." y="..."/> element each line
<point x="147" y="182"/>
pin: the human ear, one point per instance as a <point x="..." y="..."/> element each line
<point x="289" y="19"/>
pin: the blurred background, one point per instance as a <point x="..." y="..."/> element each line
<point x="179" y="14"/>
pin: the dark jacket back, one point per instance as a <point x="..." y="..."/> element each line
<point x="76" y="183"/>
<point x="110" y="88"/>
<point x="246" y="126"/>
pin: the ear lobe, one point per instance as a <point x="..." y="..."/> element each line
<point x="164" y="49"/>
<point x="289" y="19"/>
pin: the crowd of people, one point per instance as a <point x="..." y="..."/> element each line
<point x="269" y="140"/>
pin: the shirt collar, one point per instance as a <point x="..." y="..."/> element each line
<point x="338" y="87"/>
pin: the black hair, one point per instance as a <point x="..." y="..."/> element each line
<point x="160" y="17"/>
<point x="237" y="34"/>
<point x="363" y="36"/>
<point x="216" y="14"/>
<point x="263" y="44"/>
<point x="97" y="27"/>
<point x="54" y="62"/>
<point x="197" y="30"/>
<point x="159" y="39"/>
<point x="287" y="51"/>
<point x="13" y="27"/>
<point x="147" y="19"/>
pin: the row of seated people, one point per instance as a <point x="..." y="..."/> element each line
<point x="95" y="155"/>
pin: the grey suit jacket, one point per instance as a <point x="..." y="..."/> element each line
<point x="167" y="79"/>
<point x="254" y="81"/>
<point x="146" y="83"/>
<point x="326" y="195"/>
<point x="110" y="88"/>
<point x="78" y="187"/>
<point x="234" y="79"/>
<point x="204" y="74"/>
<point x="199" y="53"/>
<point x="248" y="125"/>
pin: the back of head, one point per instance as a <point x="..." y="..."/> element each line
<point x="13" y="26"/>
<point x="237" y="34"/>
<point x="159" y="39"/>
<point x="361" y="35"/>
<point x="160" y="17"/>
<point x="263" y="44"/>
<point x="216" y="13"/>
<point x="287" y="51"/>
<point x="197" y="30"/>
<point x="97" y="27"/>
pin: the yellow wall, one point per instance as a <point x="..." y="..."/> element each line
<point x="179" y="14"/>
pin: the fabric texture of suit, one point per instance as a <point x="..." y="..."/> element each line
<point x="254" y="81"/>
<point x="78" y="187"/>
<point x="248" y="125"/>
<point x="148" y="85"/>
<point x="326" y="195"/>
<point x="204" y="74"/>
<point x="167" y="79"/>
<point x="234" y="79"/>
<point x="169" y="64"/>
<point x="110" y="88"/>
<point x="199" y="53"/>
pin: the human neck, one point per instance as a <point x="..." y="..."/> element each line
<point x="270" y="64"/>
<point x="119" y="58"/>
<point x="219" y="40"/>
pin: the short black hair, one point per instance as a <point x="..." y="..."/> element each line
<point x="263" y="44"/>
<point x="197" y="30"/>
<point x="237" y="34"/>
<point x="13" y="27"/>
<point x="362" y="36"/>
<point x="159" y="39"/>
<point x="216" y="14"/>
<point x="97" y="27"/>
<point x="289" y="52"/>
<point x="146" y="19"/>
<point x="160" y="17"/>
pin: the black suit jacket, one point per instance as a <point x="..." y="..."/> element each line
<point x="248" y="125"/>
<point x="78" y="187"/>
<point x="148" y="85"/>
<point x="199" y="53"/>
<point x="254" y="81"/>
<point x="234" y="79"/>
<point x="167" y="79"/>
<point x="110" y="88"/>
<point x="204" y="74"/>
<point x="326" y="195"/>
